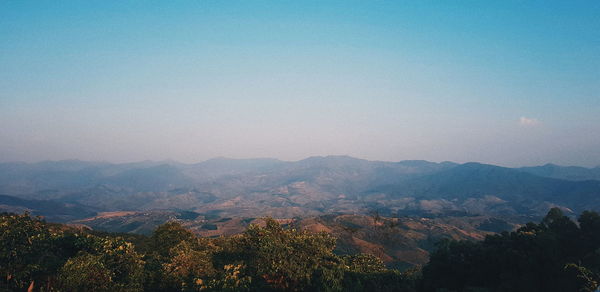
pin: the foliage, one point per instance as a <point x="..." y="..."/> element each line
<point x="85" y="272"/>
<point x="284" y="258"/>
<point x="189" y="265"/>
<point x="363" y="272"/>
<point x="167" y="236"/>
<point x="42" y="256"/>
<point x="26" y="251"/>
<point x="269" y="258"/>
<point x="555" y="255"/>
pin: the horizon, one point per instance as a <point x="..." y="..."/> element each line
<point x="169" y="161"/>
<point x="504" y="83"/>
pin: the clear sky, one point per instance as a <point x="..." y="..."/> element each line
<point x="504" y="82"/>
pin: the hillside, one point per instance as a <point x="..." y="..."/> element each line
<point x="52" y="210"/>
<point x="394" y="210"/>
<point x="332" y="253"/>
<point x="399" y="242"/>
<point x="311" y="187"/>
<point x="575" y="173"/>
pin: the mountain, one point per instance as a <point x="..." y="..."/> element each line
<point x="394" y="210"/>
<point x="219" y="167"/>
<point x="516" y="191"/>
<point x="564" y="172"/>
<point x="52" y="210"/>
<point x="313" y="186"/>
<point x="51" y="178"/>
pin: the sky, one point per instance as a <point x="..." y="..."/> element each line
<point x="512" y="83"/>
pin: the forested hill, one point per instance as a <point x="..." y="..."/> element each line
<point x="555" y="255"/>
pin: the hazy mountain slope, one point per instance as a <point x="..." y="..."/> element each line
<point x="219" y="167"/>
<point x="423" y="201"/>
<point x="312" y="186"/>
<point x="564" y="172"/>
<point x="474" y="180"/>
<point x="50" y="179"/>
<point x="22" y="178"/>
<point x="51" y="210"/>
<point x="155" y="178"/>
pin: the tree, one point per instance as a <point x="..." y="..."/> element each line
<point x="364" y="272"/>
<point x="589" y="222"/>
<point x="126" y="264"/>
<point x="555" y="255"/>
<point x="167" y="236"/>
<point x="284" y="258"/>
<point x="86" y="272"/>
<point x="585" y="281"/>
<point x="190" y="267"/>
<point x="27" y="256"/>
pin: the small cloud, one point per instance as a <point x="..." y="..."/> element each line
<point x="528" y="122"/>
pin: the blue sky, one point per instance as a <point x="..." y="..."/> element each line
<point x="504" y="82"/>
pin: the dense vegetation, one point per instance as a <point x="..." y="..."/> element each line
<point x="50" y="257"/>
<point x="554" y="255"/>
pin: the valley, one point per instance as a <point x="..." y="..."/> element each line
<point x="394" y="210"/>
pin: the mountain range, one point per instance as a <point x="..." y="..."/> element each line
<point x="393" y="210"/>
<point x="311" y="187"/>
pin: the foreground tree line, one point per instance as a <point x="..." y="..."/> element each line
<point x="554" y="255"/>
<point x="51" y="257"/>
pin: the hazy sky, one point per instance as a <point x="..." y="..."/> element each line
<point x="504" y="82"/>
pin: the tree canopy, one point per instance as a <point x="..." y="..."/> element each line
<point x="556" y="254"/>
<point x="49" y="257"/>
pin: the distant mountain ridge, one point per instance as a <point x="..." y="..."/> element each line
<point x="309" y="187"/>
<point x="564" y="172"/>
<point x="52" y="210"/>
